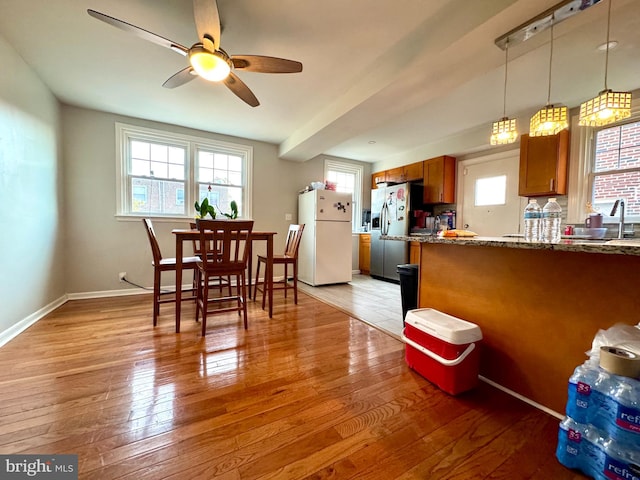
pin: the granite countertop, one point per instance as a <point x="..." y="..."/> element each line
<point x="608" y="246"/>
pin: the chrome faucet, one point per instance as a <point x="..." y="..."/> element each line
<point x="620" y="202"/>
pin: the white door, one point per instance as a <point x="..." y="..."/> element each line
<point x="488" y="189"/>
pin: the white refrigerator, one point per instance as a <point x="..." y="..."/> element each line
<point x="324" y="254"/>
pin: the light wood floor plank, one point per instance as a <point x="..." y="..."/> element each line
<point x="309" y="393"/>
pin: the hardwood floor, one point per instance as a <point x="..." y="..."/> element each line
<point x="308" y="394"/>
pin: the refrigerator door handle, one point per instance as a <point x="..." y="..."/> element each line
<point x="383" y="219"/>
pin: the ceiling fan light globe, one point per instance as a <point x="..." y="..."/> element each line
<point x="212" y="66"/>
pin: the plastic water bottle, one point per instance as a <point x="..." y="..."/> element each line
<point x="551" y="222"/>
<point x="532" y="219"/>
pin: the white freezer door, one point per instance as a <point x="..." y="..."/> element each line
<point x="333" y="253"/>
<point x="333" y="206"/>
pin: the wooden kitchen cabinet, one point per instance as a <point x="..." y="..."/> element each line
<point x="440" y="180"/>
<point x="413" y="172"/>
<point x="406" y="173"/>
<point x="395" y="175"/>
<point x="364" y="259"/>
<point x="376" y="178"/>
<point x="543" y="165"/>
<point x="414" y="252"/>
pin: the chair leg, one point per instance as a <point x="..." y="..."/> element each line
<point x="266" y="284"/>
<point x="286" y="280"/>
<point x="198" y="291"/>
<point x="156" y="295"/>
<point x="205" y="306"/>
<point x="295" y="282"/>
<point x="229" y="285"/>
<point x="244" y="298"/>
<point x="255" y="284"/>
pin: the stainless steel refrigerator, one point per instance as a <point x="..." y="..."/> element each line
<point x="390" y="215"/>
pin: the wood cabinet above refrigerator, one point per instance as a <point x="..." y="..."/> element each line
<point x="543" y="165"/>
<point x="440" y="180"/>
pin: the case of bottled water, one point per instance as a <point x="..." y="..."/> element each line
<point x="601" y="434"/>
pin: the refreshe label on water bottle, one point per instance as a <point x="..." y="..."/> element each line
<point x="628" y="418"/>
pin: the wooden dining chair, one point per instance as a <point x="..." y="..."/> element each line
<point x="160" y="265"/>
<point x="289" y="257"/>
<point x="225" y="248"/>
<point x="219" y="282"/>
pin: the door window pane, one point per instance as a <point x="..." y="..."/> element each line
<point x="491" y="191"/>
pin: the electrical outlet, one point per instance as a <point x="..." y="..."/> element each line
<point x="288" y="216"/>
<point x="121" y="276"/>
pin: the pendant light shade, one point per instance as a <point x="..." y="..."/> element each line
<point x="608" y="106"/>
<point x="504" y="131"/>
<point x="550" y="119"/>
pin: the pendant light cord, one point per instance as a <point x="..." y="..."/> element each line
<point x="606" y="54"/>
<point x="550" y="60"/>
<point x="506" y="61"/>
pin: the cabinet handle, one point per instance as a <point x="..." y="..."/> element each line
<point x="551" y="184"/>
<point x="441" y="196"/>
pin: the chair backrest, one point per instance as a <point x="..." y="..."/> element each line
<point x="293" y="240"/>
<point x="155" y="248"/>
<point x="225" y="243"/>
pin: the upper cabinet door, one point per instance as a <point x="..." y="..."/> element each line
<point x="414" y="172"/>
<point x="440" y="180"/>
<point x="543" y="165"/>
<point x="395" y="175"/>
<point x="376" y="178"/>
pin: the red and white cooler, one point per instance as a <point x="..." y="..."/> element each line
<point x="443" y="349"/>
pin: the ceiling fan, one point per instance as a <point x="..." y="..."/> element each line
<point x="206" y="58"/>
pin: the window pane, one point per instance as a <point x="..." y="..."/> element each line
<point x="220" y="176"/>
<point x="159" y="170"/>
<point x="491" y="191"/>
<point x="205" y="159"/>
<point x="176" y="171"/>
<point x="176" y="155"/>
<point x="608" y="188"/>
<point x="141" y="168"/>
<point x="617" y="148"/>
<point x="235" y="178"/>
<point x="205" y="175"/>
<point x="235" y="163"/>
<point x="159" y="153"/>
<point x="220" y="161"/>
<point x="140" y="150"/>
<point x="152" y="196"/>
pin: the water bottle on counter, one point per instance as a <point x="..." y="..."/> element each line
<point x="532" y="219"/>
<point x="551" y="222"/>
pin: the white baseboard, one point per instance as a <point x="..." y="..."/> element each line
<point x="17" y="328"/>
<point x="523" y="398"/>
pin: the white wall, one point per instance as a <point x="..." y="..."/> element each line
<point x="99" y="246"/>
<point x="31" y="198"/>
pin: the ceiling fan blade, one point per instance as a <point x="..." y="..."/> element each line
<point x="140" y="32"/>
<point x="259" y="63"/>
<point x="207" y="20"/>
<point x="180" y="78"/>
<point x="238" y="87"/>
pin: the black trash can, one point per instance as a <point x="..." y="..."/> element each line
<point x="408" y="287"/>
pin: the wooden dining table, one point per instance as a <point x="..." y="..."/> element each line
<point x="188" y="235"/>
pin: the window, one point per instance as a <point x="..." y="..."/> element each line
<point x="491" y="191"/>
<point x="615" y="169"/>
<point x="162" y="174"/>
<point x="348" y="179"/>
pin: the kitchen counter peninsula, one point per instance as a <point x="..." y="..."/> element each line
<point x="539" y="305"/>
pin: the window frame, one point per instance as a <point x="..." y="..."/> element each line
<point x="358" y="172"/>
<point x="124" y="133"/>
<point x="581" y="175"/>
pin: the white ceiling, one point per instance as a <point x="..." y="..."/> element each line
<point x="404" y="73"/>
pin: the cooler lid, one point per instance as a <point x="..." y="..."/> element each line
<point x="445" y="327"/>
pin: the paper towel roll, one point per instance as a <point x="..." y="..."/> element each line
<point x="620" y="361"/>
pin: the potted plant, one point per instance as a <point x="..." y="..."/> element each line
<point x="234" y="211"/>
<point x="203" y="209"/>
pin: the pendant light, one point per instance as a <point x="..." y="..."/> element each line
<point x="608" y="106"/>
<point x="550" y="119"/>
<point x="504" y="130"/>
